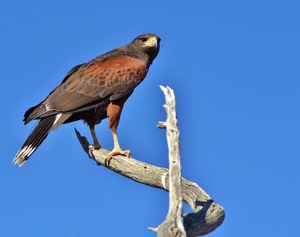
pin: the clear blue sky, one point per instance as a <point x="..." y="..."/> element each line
<point x="234" y="66"/>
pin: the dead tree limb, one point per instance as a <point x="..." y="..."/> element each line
<point x="173" y="225"/>
<point x="207" y="214"/>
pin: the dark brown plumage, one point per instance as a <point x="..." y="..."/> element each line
<point x="93" y="91"/>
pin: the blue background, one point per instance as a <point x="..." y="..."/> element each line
<point x="234" y="66"/>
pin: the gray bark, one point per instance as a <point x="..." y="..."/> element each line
<point x="173" y="225"/>
<point x="207" y="215"/>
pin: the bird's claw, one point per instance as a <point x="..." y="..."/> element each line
<point x="94" y="147"/>
<point x="116" y="152"/>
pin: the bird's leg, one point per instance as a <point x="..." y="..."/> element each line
<point x="114" y="110"/>
<point x="117" y="149"/>
<point x="96" y="145"/>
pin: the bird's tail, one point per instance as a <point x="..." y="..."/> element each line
<point x="38" y="135"/>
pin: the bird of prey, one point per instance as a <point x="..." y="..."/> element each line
<point x="91" y="92"/>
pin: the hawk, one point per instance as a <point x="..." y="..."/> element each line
<point x="91" y="92"/>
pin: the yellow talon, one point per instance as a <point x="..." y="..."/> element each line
<point x="116" y="152"/>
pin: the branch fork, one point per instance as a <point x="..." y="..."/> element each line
<point x="207" y="215"/>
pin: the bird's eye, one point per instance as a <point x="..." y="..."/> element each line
<point x="143" y="40"/>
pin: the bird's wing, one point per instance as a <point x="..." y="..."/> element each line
<point x="92" y="83"/>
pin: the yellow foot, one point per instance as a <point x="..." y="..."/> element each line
<point x="116" y="152"/>
<point x="94" y="147"/>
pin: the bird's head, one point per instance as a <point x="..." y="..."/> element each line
<point x="148" y="44"/>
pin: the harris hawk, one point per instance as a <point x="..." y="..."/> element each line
<point x="91" y="92"/>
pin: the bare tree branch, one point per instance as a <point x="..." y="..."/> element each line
<point x="173" y="225"/>
<point x="207" y="214"/>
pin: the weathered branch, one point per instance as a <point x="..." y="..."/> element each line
<point x="173" y="225"/>
<point x="207" y="215"/>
